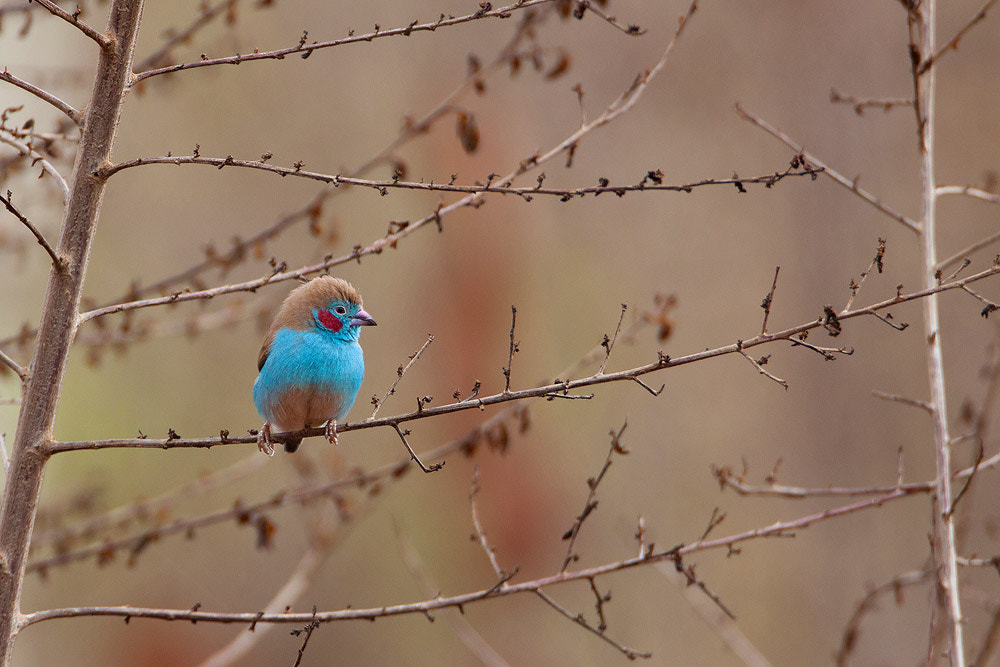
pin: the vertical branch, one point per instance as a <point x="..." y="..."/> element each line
<point x="944" y="521"/>
<point x="60" y="314"/>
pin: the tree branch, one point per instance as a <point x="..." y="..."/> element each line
<point x="304" y="50"/>
<point x="777" y="529"/>
<point x="71" y="112"/>
<point x="59" y="317"/>
<point x="57" y="263"/>
<point x="103" y="40"/>
<point x="829" y="171"/>
<point x="534" y="392"/>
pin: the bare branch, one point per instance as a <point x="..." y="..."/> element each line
<point x="7" y="361"/>
<point x="662" y="362"/>
<point x="103" y="40"/>
<point x="620" y="105"/>
<point x="952" y="44"/>
<point x="629" y="653"/>
<point x="862" y="103"/>
<point x="582" y="6"/>
<point x="591" y="504"/>
<point x="759" y="365"/>
<point x="610" y="344"/>
<point x="829" y="171"/>
<point x="494" y="185"/>
<point x="853" y="629"/>
<point x="59" y="264"/>
<point x="962" y="254"/>
<point x="968" y="191"/>
<point x="413" y="455"/>
<point x="36" y="157"/>
<point x="777" y="529"/>
<point x="304" y="50"/>
<point x="74" y="114"/>
<point x="513" y="349"/>
<point x="766" y="303"/>
<point x="400" y="372"/>
<point x="206" y="13"/>
<point x="923" y="405"/>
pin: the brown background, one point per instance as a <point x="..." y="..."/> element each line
<point x="567" y="267"/>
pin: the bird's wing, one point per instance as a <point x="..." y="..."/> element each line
<point x="265" y="350"/>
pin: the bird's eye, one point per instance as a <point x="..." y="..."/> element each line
<point x="340" y="310"/>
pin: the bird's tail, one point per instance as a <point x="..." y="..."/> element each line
<point x="292" y="444"/>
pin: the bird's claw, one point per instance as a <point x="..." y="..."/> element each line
<point x="330" y="431"/>
<point x="264" y="443"/>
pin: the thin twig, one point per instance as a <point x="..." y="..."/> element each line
<point x="631" y="29"/>
<point x="610" y="344"/>
<point x="303" y="49"/>
<point x="36" y="157"/>
<point x="758" y="364"/>
<point x="766" y="303"/>
<point x="510" y="354"/>
<point x="862" y="103"/>
<point x="59" y="264"/>
<point x="968" y="191"/>
<point x="849" y="640"/>
<point x="74" y="114"/>
<point x="413" y="455"/>
<point x="923" y="405"/>
<point x="965" y="252"/>
<point x="400" y="372"/>
<point x="206" y="13"/>
<point x="590" y="504"/>
<point x="13" y="365"/>
<point x="876" y="261"/>
<point x="629" y="653"/>
<point x="478" y="526"/>
<point x="952" y="44"/>
<point x="812" y="160"/>
<point x="74" y="20"/>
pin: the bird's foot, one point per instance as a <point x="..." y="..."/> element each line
<point x="264" y="443"/>
<point x="330" y="431"/>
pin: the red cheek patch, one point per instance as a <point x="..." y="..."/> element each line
<point x="327" y="319"/>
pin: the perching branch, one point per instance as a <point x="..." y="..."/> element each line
<point x="559" y="387"/>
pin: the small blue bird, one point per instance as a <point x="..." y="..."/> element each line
<point x="311" y="364"/>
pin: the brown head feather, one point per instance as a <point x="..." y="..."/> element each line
<point x="296" y="309"/>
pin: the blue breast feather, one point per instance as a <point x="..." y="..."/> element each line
<point x="309" y="360"/>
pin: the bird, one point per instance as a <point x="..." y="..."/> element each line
<point x="310" y="365"/>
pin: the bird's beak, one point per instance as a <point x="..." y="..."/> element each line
<point x="362" y="319"/>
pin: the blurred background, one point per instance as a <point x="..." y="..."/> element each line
<point x="567" y="267"/>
